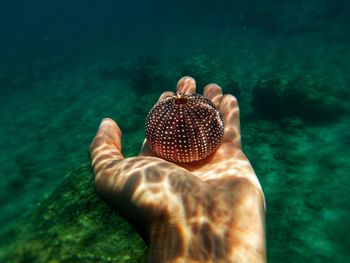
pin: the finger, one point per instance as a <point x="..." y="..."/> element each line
<point x="165" y="94"/>
<point x="106" y="146"/>
<point x="214" y="93"/>
<point x="230" y="112"/>
<point x="186" y="85"/>
<point x="146" y="150"/>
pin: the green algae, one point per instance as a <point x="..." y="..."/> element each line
<point x="306" y="193"/>
<point x="304" y="171"/>
<point x="300" y="97"/>
<point x="305" y="221"/>
<point x="73" y="225"/>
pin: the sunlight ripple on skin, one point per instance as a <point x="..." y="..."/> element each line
<point x="211" y="210"/>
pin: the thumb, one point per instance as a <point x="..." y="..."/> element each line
<point x="106" y="145"/>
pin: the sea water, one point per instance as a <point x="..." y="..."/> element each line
<point x="65" y="65"/>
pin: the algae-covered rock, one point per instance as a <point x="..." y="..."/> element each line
<point x="74" y="225"/>
<point x="276" y="96"/>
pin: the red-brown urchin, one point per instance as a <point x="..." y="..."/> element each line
<point x="184" y="128"/>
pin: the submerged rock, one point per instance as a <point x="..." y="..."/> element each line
<point x="74" y="225"/>
<point x="277" y="97"/>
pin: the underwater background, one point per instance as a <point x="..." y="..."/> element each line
<point x="65" y="65"/>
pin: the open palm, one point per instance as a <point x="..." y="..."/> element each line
<point x="211" y="210"/>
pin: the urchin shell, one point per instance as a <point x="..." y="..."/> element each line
<point x="184" y="128"/>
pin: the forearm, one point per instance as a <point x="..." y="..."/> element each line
<point x="250" y="247"/>
<point x="248" y="233"/>
<point x="222" y="232"/>
<point x="170" y="244"/>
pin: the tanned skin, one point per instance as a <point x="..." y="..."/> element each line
<point x="212" y="210"/>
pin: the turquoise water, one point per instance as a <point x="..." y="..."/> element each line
<point x="66" y="66"/>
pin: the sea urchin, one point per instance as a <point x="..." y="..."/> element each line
<point x="184" y="128"/>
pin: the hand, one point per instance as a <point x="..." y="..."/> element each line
<point x="212" y="210"/>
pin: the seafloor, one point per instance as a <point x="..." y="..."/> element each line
<point x="294" y="101"/>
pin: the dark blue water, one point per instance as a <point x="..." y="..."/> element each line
<point x="64" y="65"/>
